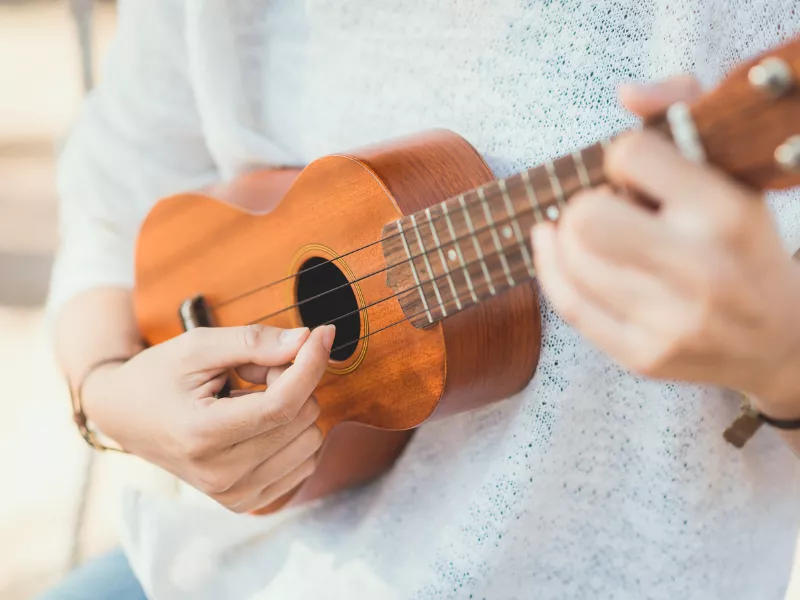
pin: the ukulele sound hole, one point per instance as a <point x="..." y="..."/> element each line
<point x="325" y="296"/>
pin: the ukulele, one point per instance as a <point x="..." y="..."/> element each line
<point x="421" y="259"/>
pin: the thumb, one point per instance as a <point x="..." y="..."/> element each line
<point x="650" y="100"/>
<point x="219" y="348"/>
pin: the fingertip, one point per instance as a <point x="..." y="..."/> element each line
<point x="628" y="88"/>
<point x="640" y="98"/>
<point x="322" y="335"/>
<point x="648" y="99"/>
<point x="328" y="335"/>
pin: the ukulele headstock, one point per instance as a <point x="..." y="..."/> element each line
<point x="749" y="125"/>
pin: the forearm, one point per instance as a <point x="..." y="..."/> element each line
<point x="782" y="399"/>
<point x="93" y="326"/>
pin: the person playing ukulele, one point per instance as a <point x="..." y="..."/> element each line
<point x="608" y="475"/>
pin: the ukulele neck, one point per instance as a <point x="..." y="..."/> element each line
<point x="470" y="248"/>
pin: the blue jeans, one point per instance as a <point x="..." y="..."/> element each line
<point x="107" y="577"/>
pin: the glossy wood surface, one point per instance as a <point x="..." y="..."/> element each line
<point x="742" y="126"/>
<point x="194" y="244"/>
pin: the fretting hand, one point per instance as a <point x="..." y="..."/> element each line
<point x="245" y="451"/>
<point x="701" y="290"/>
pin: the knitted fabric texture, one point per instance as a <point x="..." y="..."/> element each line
<point x="592" y="482"/>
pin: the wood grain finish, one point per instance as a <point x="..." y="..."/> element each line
<point x="194" y="244"/>
<point x="741" y="127"/>
<point x="470" y="248"/>
<point x="492" y="348"/>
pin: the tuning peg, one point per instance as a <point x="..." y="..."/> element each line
<point x="772" y="75"/>
<point x="788" y="154"/>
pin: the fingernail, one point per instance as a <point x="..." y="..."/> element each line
<point x="290" y="337"/>
<point x="327" y="337"/>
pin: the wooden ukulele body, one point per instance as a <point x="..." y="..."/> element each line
<point x="228" y="243"/>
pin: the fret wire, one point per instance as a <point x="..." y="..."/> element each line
<point x="603" y="143"/>
<point x="554" y="182"/>
<point x="515" y="226"/>
<point x="408" y="318"/>
<point x="442" y="258"/>
<point x="580" y="167"/>
<point x="477" y="245"/>
<point x="454" y="240"/>
<point x="414" y="271"/>
<point x="428" y="266"/>
<point x="534" y="201"/>
<point x="495" y="237"/>
<point x="519" y="265"/>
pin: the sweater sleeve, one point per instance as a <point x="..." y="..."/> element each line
<point x="138" y="137"/>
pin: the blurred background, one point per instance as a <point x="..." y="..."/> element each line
<point x="47" y="483"/>
<point x="57" y="501"/>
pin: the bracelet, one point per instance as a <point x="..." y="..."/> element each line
<point x="88" y="433"/>
<point x="786" y="424"/>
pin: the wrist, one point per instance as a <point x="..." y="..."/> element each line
<point x="779" y="395"/>
<point x="98" y="389"/>
<point x="96" y="401"/>
<point x="778" y="405"/>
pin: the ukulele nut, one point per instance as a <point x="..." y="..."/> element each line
<point x="684" y="132"/>
<point x="787" y="154"/>
<point x="772" y="76"/>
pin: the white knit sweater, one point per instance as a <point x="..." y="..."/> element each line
<point x="592" y="482"/>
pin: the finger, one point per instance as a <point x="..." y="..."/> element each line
<point x="595" y="324"/>
<point x="245" y="492"/>
<point x="259" y="374"/>
<point x="612" y="227"/>
<point x="565" y="297"/>
<point x="617" y="284"/>
<point x="274" y="373"/>
<point x="648" y="100"/>
<point x="220" y="348"/>
<point x="255" y="414"/>
<point x="648" y="163"/>
<point x="245" y="456"/>
<point x="625" y="294"/>
<point x="287" y="393"/>
<point x="282" y="487"/>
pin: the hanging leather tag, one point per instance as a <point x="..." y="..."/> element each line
<point x="744" y="426"/>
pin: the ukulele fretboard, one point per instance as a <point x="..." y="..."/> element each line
<point x="469" y="248"/>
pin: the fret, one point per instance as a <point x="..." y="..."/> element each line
<point x="580" y="167"/>
<point x="432" y="275"/>
<point x="414" y="272"/>
<point x="464" y="273"/>
<point x="537" y="208"/>
<point x="512" y="214"/>
<point x="555" y="184"/>
<point x="442" y="259"/>
<point x="495" y="237"/>
<point x="454" y="240"/>
<point x="478" y="249"/>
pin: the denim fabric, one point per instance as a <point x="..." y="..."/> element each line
<point x="107" y="577"/>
